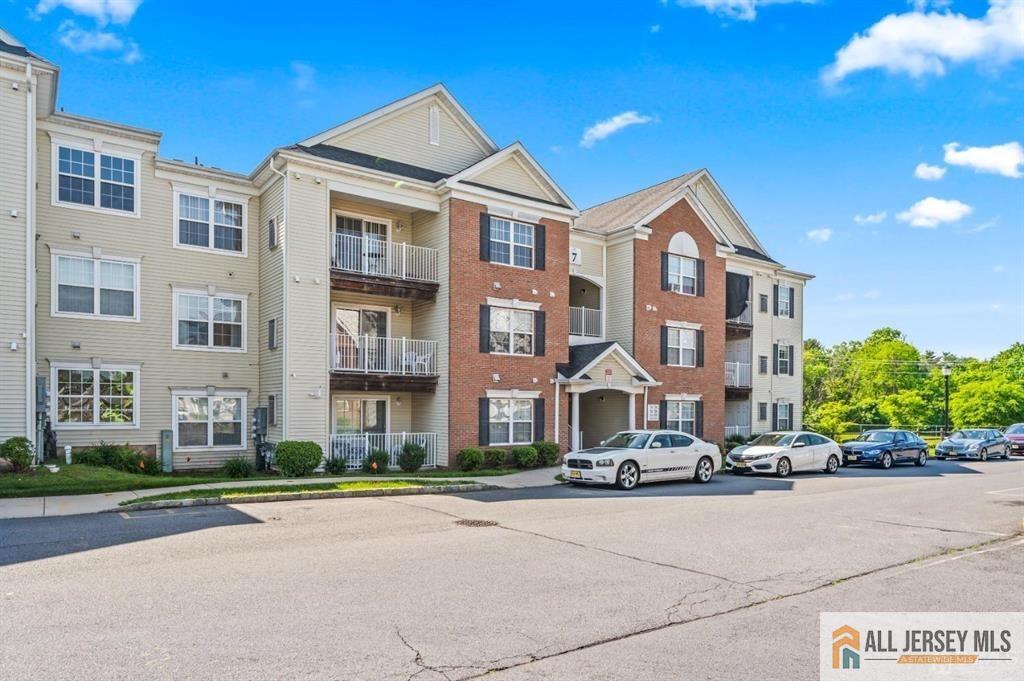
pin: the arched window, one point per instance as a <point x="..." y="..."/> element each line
<point x="681" y="266"/>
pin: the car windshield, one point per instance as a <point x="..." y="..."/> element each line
<point x="968" y="435"/>
<point x="878" y="436"/>
<point x="773" y="440"/>
<point x="1015" y="429"/>
<point x="627" y="440"/>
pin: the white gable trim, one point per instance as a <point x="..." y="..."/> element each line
<point x="623" y="357"/>
<point x="526" y="161"/>
<point x="683" y="325"/>
<point x="686" y="193"/>
<point x="731" y="208"/>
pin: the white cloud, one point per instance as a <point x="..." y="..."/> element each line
<point x="988" y="224"/>
<point x="303" y="76"/>
<point x="85" y="41"/>
<point x="931" y="212"/>
<point x="923" y="171"/>
<point x="656" y="28"/>
<point x="820" y="236"/>
<point x="610" y="126"/>
<point x="870" y="219"/>
<point x="919" y="43"/>
<point x="103" y="11"/>
<point x="1001" y="159"/>
<point x="744" y="10"/>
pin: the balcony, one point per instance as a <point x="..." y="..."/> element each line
<point x="354" y="447"/>
<point x="372" y="265"/>
<point x="737" y="375"/>
<point x="585" y="321"/>
<point x="384" y="364"/>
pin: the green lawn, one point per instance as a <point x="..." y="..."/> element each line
<point x="259" y="490"/>
<point x="79" y="479"/>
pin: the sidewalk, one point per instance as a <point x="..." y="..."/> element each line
<point x="38" y="507"/>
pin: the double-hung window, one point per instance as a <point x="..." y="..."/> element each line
<point x="104" y="288"/>
<point x="784" y="420"/>
<point x="511" y="242"/>
<point x="203" y="421"/>
<point x="510" y="421"/>
<point x="204" y="222"/>
<point x="682" y="275"/>
<point x="784" y="359"/>
<point x="682" y="347"/>
<point x="88" y="397"/>
<point x="77" y="179"/>
<point x="512" y="331"/>
<point x="682" y="416"/>
<point x="209" y="321"/>
<point x="785" y="300"/>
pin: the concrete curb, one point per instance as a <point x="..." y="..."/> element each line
<point x="301" y="496"/>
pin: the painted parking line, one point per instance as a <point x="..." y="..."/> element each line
<point x="1005" y="492"/>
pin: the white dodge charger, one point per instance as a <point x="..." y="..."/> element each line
<point x="628" y="458"/>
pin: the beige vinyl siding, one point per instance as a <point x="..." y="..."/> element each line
<point x="13" y="269"/>
<point x="271" y="367"/>
<point x="307" y="292"/>
<point x="404" y="136"/>
<point x="619" y="374"/>
<point x="511" y="176"/>
<point x="593" y="258"/>
<point x="356" y="208"/>
<point x="148" y="342"/>
<point x="768" y="330"/>
<point x="399" y="321"/>
<point x="722" y="214"/>
<point x="400" y="417"/>
<point x="430" y="322"/>
<point x="619" y="294"/>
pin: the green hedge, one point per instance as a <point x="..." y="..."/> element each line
<point x="297" y="458"/>
<point x="18" y="452"/>
<point x="548" y="453"/>
<point x="494" y="457"/>
<point x="412" y="457"/>
<point x="470" y="458"/>
<point x="376" y="462"/>
<point x="524" y="457"/>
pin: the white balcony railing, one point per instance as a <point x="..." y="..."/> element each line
<point x="379" y="258"/>
<point x="737" y="375"/>
<point x="378" y="355"/>
<point x="745" y="317"/>
<point x="737" y="430"/>
<point x="354" y="447"/>
<point x="584" y="321"/>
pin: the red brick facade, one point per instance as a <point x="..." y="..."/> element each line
<point x="707" y="310"/>
<point x="471" y="283"/>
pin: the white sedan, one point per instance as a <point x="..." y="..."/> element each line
<point x="784" y="453"/>
<point x="628" y="458"/>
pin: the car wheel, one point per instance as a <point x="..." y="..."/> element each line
<point x="832" y="465"/>
<point x="886" y="461"/>
<point x="984" y="455"/>
<point x="705" y="469"/>
<point x="922" y="458"/>
<point x="783" y="468"/>
<point x="628" y="476"/>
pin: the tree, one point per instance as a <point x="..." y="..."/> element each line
<point x="816" y="372"/>
<point x="886" y="364"/>
<point x="909" y="407"/>
<point x="996" y="401"/>
<point x="831" y="419"/>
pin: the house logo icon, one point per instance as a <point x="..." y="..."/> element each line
<point x="845" y="648"/>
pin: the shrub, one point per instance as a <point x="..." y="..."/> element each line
<point x="149" y="465"/>
<point x="524" y="457"/>
<point x="18" y="452"/>
<point x="297" y="458"/>
<point x="412" y="457"/>
<point x="548" y="453"/>
<point x="376" y="462"/>
<point x="470" y="458"/>
<point x="734" y="441"/>
<point x="103" y="454"/>
<point x="337" y="465"/>
<point x="239" y="467"/>
<point x="494" y="458"/>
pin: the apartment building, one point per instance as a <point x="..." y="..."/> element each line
<point x="396" y="278"/>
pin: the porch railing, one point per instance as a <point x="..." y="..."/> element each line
<point x="737" y="430"/>
<point x="380" y="355"/>
<point x="584" y="321"/>
<point x="354" y="447"/>
<point x="380" y="258"/>
<point x="745" y="317"/>
<point x="737" y="375"/>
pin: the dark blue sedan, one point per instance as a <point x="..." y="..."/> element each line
<point x="883" y="448"/>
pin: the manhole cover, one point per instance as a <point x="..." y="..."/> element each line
<point x="476" y="523"/>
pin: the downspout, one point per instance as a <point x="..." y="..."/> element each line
<point x="30" y="257"/>
<point x="284" y="299"/>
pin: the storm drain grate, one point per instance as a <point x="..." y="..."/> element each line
<point x="476" y="523"/>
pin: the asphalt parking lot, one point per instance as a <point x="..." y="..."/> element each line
<point x="554" y="582"/>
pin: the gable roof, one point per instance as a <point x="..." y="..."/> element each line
<point x="517" y="151"/>
<point x="630" y="209"/>
<point x="11" y="45"/>
<point x="583" y="357"/>
<point x="358" y="158"/>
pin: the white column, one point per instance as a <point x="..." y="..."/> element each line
<point x="576" y="421"/>
<point x="632" y="411"/>
<point x="558" y="425"/>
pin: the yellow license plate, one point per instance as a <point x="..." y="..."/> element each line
<point x="575" y="474"/>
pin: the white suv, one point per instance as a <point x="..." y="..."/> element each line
<point x="628" y="458"/>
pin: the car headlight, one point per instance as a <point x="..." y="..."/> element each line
<point x="761" y="456"/>
<point x="604" y="463"/>
<point x="972" y="448"/>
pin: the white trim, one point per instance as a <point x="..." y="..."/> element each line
<point x="211" y="194"/>
<point x="512" y="333"/>
<point x="210" y="293"/>
<point x="474" y="194"/>
<point x="96" y="424"/>
<point x="514" y="394"/>
<point x="434" y="125"/>
<point x="512" y="241"/>
<point x="243" y="395"/>
<point x="684" y="397"/>
<point x="512" y="422"/>
<point x="396" y="193"/>
<point x="683" y="325"/>
<point x="730" y="208"/>
<point x="518" y="152"/>
<point x="623" y="357"/>
<point x="97" y="257"/>
<point x="99" y="149"/>
<point x="513" y="303"/>
<point x="361" y="397"/>
<point x="680" y="347"/>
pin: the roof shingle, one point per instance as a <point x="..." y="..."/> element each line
<point x="627" y="210"/>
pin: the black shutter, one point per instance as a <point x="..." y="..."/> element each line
<point x="775" y="300"/>
<point x="664" y="345"/>
<point x="700" y="277"/>
<point x="538" y="419"/>
<point x="539" y="234"/>
<point x="698" y="419"/>
<point x="485" y="418"/>
<point x="792" y="302"/>
<point x="775" y="359"/>
<point x="663" y="414"/>
<point x="664" y="272"/>
<point x="485" y="237"/>
<point x="775" y="415"/>
<point x="700" y="348"/>
<point x="791" y="360"/>
<point x="485" y="328"/>
<point x="539" y="324"/>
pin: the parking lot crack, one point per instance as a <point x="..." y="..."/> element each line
<point x="936" y="529"/>
<point x="441" y="669"/>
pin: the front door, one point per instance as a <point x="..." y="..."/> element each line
<point x="361" y="335"/>
<point x="363" y="244"/>
<point x="361" y="425"/>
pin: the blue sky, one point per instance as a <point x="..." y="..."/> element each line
<point x="804" y="126"/>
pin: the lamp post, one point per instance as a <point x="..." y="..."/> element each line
<point x="946" y="371"/>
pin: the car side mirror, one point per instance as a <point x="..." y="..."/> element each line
<point x="655" y="445"/>
<point x="799" y="444"/>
